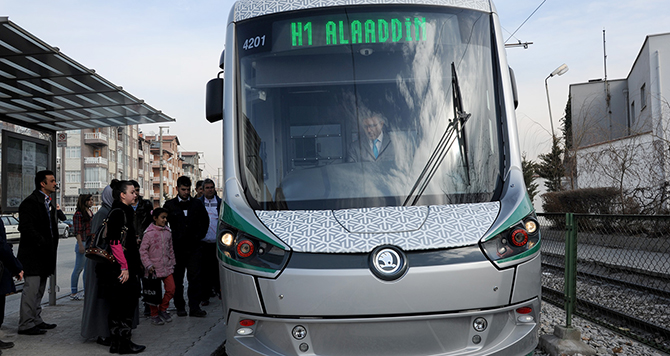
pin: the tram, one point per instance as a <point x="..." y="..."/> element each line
<point x="374" y="201"/>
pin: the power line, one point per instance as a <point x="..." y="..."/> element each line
<point x="533" y="13"/>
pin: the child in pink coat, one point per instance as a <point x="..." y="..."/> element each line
<point x="157" y="257"/>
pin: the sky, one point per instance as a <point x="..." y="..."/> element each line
<point x="165" y="52"/>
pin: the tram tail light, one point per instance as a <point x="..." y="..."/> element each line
<point x="519" y="240"/>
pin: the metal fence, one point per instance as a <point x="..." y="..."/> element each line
<point x="622" y="274"/>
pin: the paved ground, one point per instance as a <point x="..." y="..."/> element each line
<point x="184" y="336"/>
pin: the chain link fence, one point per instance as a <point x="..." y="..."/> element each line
<point x="623" y="272"/>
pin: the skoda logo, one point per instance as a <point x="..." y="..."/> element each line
<point x="388" y="262"/>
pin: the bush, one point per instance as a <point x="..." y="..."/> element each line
<point x="582" y="201"/>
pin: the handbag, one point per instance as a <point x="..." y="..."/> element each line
<point x="152" y="290"/>
<point x="100" y="250"/>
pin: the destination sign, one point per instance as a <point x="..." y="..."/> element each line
<point x="360" y="31"/>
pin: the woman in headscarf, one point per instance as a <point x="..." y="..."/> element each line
<point x="96" y="309"/>
<point x="119" y="282"/>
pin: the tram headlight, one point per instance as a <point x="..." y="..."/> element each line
<point x="242" y="251"/>
<point x="514" y="243"/>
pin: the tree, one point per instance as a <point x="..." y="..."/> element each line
<point x="550" y="166"/>
<point x="529" y="169"/>
<point x="569" y="161"/>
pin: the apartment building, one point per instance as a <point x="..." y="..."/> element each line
<point x="93" y="157"/>
<point x="170" y="163"/>
<point x="191" y="165"/>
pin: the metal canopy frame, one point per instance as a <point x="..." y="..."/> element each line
<point x="43" y="89"/>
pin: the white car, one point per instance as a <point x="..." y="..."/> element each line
<point x="11" y="226"/>
<point x="63" y="229"/>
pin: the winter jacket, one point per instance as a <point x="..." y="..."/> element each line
<point x="156" y="250"/>
<point x="12" y="264"/>
<point x="38" y="244"/>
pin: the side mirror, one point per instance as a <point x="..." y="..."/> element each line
<point x="214" y="100"/>
<point x="514" y="92"/>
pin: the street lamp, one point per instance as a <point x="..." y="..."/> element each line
<point x="558" y="71"/>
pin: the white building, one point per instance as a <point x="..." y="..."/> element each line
<point x="621" y="127"/>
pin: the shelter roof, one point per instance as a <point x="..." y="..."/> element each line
<point x="42" y="88"/>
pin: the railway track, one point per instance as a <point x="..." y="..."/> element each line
<point x="625" y="313"/>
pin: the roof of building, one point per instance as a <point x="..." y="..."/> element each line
<point x="42" y="88"/>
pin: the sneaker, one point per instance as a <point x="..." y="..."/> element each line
<point x="165" y="316"/>
<point x="181" y="312"/>
<point x="74" y="296"/>
<point x="156" y="320"/>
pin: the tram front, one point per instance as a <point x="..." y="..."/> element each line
<point x="374" y="201"/>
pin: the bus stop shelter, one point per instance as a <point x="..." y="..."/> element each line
<point x="43" y="91"/>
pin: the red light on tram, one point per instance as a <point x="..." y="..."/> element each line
<point x="247" y="322"/>
<point x="519" y="237"/>
<point x="245" y="248"/>
<point x="524" y="310"/>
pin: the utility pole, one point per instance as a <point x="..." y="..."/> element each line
<point x="160" y="167"/>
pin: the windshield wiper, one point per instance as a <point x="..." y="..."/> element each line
<point x="455" y="129"/>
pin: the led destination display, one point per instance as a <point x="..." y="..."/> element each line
<point x="371" y="30"/>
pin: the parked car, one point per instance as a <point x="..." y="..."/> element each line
<point x="69" y="223"/>
<point x="11" y="226"/>
<point x="63" y="229"/>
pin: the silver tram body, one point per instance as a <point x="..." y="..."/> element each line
<point x="431" y="251"/>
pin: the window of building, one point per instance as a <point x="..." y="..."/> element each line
<point x="643" y="96"/>
<point x="632" y="113"/>
<point x="73" y="152"/>
<point x="72" y="176"/>
<point x="95" y="174"/>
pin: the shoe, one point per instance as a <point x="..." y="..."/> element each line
<point x="165" y="316"/>
<point x="104" y="341"/>
<point x="74" y="296"/>
<point x="35" y="330"/>
<point x="205" y="303"/>
<point x="156" y="320"/>
<point x="6" y="345"/>
<point x="181" y="312"/>
<point x="198" y="313"/>
<point x="46" y="326"/>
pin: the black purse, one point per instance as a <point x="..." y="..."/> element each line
<point x="100" y="250"/>
<point x="152" y="290"/>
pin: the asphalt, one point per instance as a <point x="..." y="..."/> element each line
<point x="189" y="336"/>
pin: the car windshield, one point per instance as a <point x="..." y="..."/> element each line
<point x="347" y="107"/>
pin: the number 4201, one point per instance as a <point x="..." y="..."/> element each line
<point x="254" y="42"/>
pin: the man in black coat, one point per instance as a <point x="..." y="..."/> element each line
<point x="37" y="251"/>
<point x="189" y="222"/>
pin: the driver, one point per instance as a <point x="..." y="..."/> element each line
<point x="376" y="146"/>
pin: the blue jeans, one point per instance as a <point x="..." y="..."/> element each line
<point x="78" y="268"/>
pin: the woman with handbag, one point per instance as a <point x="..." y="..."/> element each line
<point x="81" y="221"/>
<point x="119" y="281"/>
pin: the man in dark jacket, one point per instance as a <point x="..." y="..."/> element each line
<point x="12" y="268"/>
<point x="188" y="221"/>
<point x="37" y="251"/>
<point x="210" y="271"/>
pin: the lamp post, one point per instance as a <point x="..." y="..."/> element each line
<point x="558" y="71"/>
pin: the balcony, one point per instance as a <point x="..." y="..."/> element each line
<point x="94" y="185"/>
<point x="95" y="160"/>
<point x="140" y="153"/>
<point x="141" y="172"/>
<point x="95" y="139"/>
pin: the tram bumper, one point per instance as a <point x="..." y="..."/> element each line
<point x="434" y="334"/>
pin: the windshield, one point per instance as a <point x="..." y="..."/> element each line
<point x="344" y="108"/>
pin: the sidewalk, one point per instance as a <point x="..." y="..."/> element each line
<point x="184" y="336"/>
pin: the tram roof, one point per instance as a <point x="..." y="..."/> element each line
<point x="42" y="88"/>
<point x="245" y="9"/>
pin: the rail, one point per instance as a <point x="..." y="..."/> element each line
<point x="611" y="269"/>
